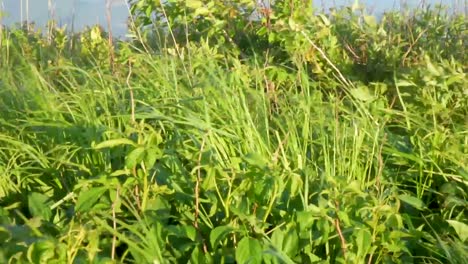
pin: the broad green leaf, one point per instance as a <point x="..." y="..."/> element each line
<point x="370" y="21"/>
<point x="395" y="221"/>
<point x="255" y="159"/>
<point x="293" y="25"/>
<point x="362" y="93"/>
<point x="325" y="20"/>
<point x="354" y="187"/>
<point x="201" y="11"/>
<point x="134" y="157"/>
<point x="88" y="198"/>
<point x="460" y="228"/>
<point x="155" y="139"/>
<point x="454" y="78"/>
<point x="218" y="233"/>
<point x="291" y="243"/>
<point x="277" y="238"/>
<point x="413" y="201"/>
<point x="152" y="154"/>
<point x="305" y="219"/>
<point x="197" y="256"/>
<point x="190" y="232"/>
<point x="209" y="183"/>
<point x="41" y="251"/>
<point x="114" y="143"/>
<point x="194" y="4"/>
<point x="431" y="67"/>
<point x="363" y="241"/>
<point x="249" y="251"/>
<point x="286" y="241"/>
<point x="38" y="205"/>
<point x="313" y="258"/>
<point x="186" y="231"/>
<point x="296" y="184"/>
<point x="279" y="255"/>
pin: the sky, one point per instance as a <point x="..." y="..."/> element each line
<point x="81" y="12"/>
<point x="90" y="12"/>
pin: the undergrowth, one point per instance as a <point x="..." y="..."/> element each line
<point x="292" y="138"/>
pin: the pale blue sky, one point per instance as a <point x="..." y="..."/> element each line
<point x="89" y="12"/>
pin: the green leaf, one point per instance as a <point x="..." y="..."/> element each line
<point x="277" y="238"/>
<point x="197" y="256"/>
<point x="362" y="93"/>
<point x="313" y="258"/>
<point x="218" y="233"/>
<point x="279" y="255"/>
<point x="152" y="154"/>
<point x="203" y="11"/>
<point x="305" y="220"/>
<point x="88" y="198"/>
<point x="114" y="143"/>
<point x="286" y="241"/>
<point x="460" y="228"/>
<point x="296" y="184"/>
<point x="190" y="232"/>
<point x="293" y="25"/>
<point x="194" y="4"/>
<point x="255" y="159"/>
<point x="431" y="67"/>
<point x="370" y="21"/>
<point x="41" y="252"/>
<point x="413" y="201"/>
<point x="325" y="20"/>
<point x="405" y="83"/>
<point x="183" y="231"/>
<point x="38" y="205"/>
<point x="291" y="243"/>
<point x="363" y="241"/>
<point x="134" y="157"/>
<point x="249" y="251"/>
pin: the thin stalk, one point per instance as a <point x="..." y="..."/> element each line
<point x="197" y="193"/>
<point x="27" y="15"/>
<point x="109" y="29"/>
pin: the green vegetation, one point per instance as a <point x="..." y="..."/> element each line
<point x="211" y="137"/>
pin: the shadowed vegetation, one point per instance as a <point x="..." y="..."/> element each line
<point x="212" y="137"/>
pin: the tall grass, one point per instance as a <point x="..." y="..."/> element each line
<point x="192" y="154"/>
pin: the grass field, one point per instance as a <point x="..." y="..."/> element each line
<point x="298" y="138"/>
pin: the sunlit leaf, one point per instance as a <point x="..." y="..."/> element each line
<point x="413" y="201"/>
<point x="286" y="241"/>
<point x="370" y="21"/>
<point x="194" y="4"/>
<point x="135" y="157"/>
<point x="255" y="159"/>
<point x="249" y="251"/>
<point x="41" y="251"/>
<point x="363" y="241"/>
<point x="218" y="234"/>
<point x="114" y="143"/>
<point x="152" y="154"/>
<point x="325" y="20"/>
<point x="362" y="93"/>
<point x="405" y="83"/>
<point x="460" y="228"/>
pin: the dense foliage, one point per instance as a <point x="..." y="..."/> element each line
<point x="235" y="132"/>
